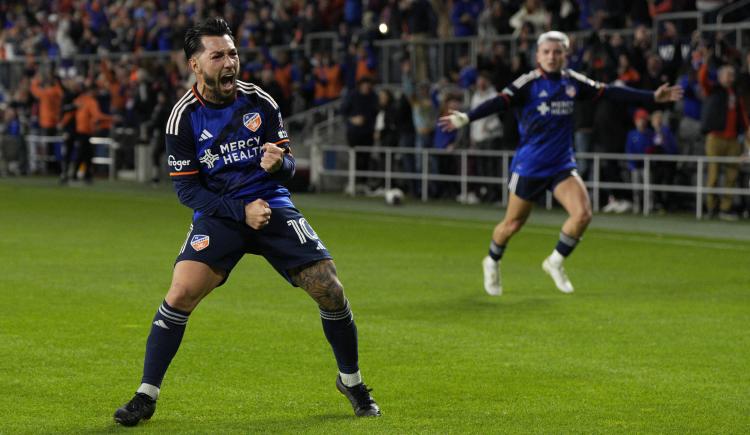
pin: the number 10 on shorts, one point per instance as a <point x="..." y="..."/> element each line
<point x="304" y="231"/>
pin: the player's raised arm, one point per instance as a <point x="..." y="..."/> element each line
<point x="626" y="94"/>
<point x="456" y="119"/>
<point x="668" y="94"/>
<point x="277" y="157"/>
<point x="277" y="161"/>
<point x="453" y="121"/>
<point x="592" y="89"/>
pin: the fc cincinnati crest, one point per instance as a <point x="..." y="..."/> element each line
<point x="570" y="90"/>
<point x="252" y="121"/>
<point x="199" y="242"/>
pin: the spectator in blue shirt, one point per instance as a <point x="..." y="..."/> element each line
<point x="465" y="16"/>
<point x="639" y="140"/>
<point x="12" y="150"/>
<point x="663" y="171"/>
<point x="445" y="164"/>
<point x="689" y="130"/>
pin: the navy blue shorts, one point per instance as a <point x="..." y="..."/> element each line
<point x="531" y="188"/>
<point x="288" y="241"/>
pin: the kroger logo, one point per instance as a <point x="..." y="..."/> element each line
<point x="177" y="164"/>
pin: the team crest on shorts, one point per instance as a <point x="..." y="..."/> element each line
<point x="199" y="242"/>
<point x="570" y="90"/>
<point x="252" y="121"/>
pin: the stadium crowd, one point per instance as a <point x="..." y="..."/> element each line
<point x="90" y="65"/>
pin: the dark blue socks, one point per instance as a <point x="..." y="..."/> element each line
<point x="166" y="334"/>
<point x="566" y="244"/>
<point x="496" y="251"/>
<point x="341" y="333"/>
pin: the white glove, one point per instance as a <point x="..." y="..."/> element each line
<point x="458" y="119"/>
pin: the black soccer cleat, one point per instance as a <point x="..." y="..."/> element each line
<point x="140" y="407"/>
<point x="359" y="395"/>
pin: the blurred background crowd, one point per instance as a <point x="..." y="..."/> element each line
<point x="81" y="68"/>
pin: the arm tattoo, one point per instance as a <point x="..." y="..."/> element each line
<point x="319" y="280"/>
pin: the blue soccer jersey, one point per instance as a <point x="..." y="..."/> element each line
<point x="544" y="106"/>
<point x="214" y="152"/>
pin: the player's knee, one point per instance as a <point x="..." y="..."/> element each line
<point x="512" y="226"/>
<point x="583" y="216"/>
<point x="183" y="297"/>
<point x="333" y="299"/>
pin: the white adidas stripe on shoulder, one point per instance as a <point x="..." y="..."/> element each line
<point x="529" y="76"/>
<point x="250" y="88"/>
<point x="176" y="106"/>
<point x="173" y="128"/>
<point x="174" y="117"/>
<point x="582" y="78"/>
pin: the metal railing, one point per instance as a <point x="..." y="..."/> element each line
<point x="426" y="174"/>
<point x="304" y="129"/>
<point x="734" y="6"/>
<point x="38" y="153"/>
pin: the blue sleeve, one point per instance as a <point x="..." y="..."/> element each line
<point x="185" y="173"/>
<point x="286" y="172"/>
<point x="192" y="194"/>
<point x="628" y="95"/>
<point x="276" y="134"/>
<point x="511" y="96"/>
<point x="490" y="107"/>
<point x="587" y="89"/>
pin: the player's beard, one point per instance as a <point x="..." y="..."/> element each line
<point x="218" y="90"/>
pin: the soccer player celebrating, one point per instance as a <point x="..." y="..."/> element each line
<point x="228" y="154"/>
<point x="544" y="100"/>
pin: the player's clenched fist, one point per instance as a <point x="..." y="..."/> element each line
<point x="273" y="157"/>
<point x="257" y="214"/>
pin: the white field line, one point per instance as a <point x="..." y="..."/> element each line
<point x="656" y="239"/>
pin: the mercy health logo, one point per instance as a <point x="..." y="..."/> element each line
<point x="232" y="152"/>
<point x="199" y="242"/>
<point x="543" y="108"/>
<point x="177" y="164"/>
<point x="252" y="121"/>
<point x="556" y="108"/>
<point x="209" y="159"/>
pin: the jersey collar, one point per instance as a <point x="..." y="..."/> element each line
<point x="549" y="75"/>
<point x="206" y="103"/>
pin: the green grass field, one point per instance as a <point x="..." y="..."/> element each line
<point x="656" y="338"/>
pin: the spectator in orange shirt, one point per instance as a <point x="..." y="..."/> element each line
<point x="88" y="118"/>
<point x="328" y="82"/>
<point x="366" y="63"/>
<point x="626" y="72"/>
<point x="50" y="94"/>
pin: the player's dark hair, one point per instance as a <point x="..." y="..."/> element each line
<point x="209" y="27"/>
